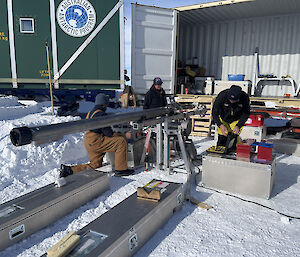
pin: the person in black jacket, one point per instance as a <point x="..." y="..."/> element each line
<point x="99" y="141"/>
<point x="230" y="111"/>
<point x="156" y="96"/>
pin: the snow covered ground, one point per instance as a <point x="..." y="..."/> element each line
<point x="232" y="228"/>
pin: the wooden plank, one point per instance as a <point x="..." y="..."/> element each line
<point x="200" y="134"/>
<point x="281" y="102"/>
<point x="65" y="245"/>
<point x="201" y="129"/>
<point x="197" y="99"/>
<point x="193" y="101"/>
<point x="200" y="204"/>
<point x="189" y="96"/>
<point x="199" y="117"/>
<point x="202" y="123"/>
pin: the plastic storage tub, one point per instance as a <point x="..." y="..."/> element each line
<point x="237" y="77"/>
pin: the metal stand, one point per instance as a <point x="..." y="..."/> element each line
<point x="176" y="131"/>
<point x="146" y="147"/>
<point x="168" y="130"/>
<point x="158" y="146"/>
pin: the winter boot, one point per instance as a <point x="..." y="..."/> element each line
<point x="222" y="140"/>
<point x="65" y="171"/>
<point x="120" y="173"/>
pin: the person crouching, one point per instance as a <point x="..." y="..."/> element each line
<point x="97" y="142"/>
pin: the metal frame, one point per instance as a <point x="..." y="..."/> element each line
<point x="177" y="132"/>
<point x="12" y="48"/>
<point x="146" y="146"/>
<point x="26" y="31"/>
<point x="54" y="40"/>
<point x="159" y="146"/>
<point x="212" y="4"/>
<point x="122" y="44"/>
<point x="175" y="52"/>
<point x="163" y="149"/>
<point x="133" y="36"/>
<point x="295" y="89"/>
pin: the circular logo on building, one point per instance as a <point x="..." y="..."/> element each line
<point x="77" y="18"/>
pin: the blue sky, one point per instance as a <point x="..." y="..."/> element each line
<point x="159" y="3"/>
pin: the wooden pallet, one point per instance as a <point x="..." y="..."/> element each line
<point x="279" y="102"/>
<point x="201" y="126"/>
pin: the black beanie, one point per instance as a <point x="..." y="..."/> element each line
<point x="101" y="99"/>
<point x="234" y="93"/>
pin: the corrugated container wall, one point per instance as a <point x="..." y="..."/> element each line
<point x="228" y="47"/>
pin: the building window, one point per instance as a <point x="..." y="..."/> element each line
<point x="26" y="25"/>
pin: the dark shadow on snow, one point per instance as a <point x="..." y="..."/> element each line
<point x="166" y="230"/>
<point x="286" y="176"/>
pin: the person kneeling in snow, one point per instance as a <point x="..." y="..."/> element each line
<point x="99" y="141"/>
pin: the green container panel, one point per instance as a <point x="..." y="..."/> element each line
<point x="100" y="59"/>
<point x="30" y="48"/>
<point x="5" y="70"/>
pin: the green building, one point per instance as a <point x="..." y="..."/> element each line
<point x="85" y="39"/>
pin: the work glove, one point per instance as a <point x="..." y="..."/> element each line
<point x="236" y="130"/>
<point x="224" y="130"/>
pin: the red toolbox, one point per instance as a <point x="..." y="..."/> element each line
<point x="243" y="151"/>
<point x="255" y="120"/>
<point x="265" y="151"/>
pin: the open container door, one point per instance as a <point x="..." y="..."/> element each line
<point x="153" y="47"/>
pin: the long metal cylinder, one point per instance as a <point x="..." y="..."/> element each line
<point x="42" y="134"/>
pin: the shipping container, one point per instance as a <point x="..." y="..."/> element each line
<point x="86" y="46"/>
<point x="258" y="39"/>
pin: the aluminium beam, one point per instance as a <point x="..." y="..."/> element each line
<point x="31" y="212"/>
<point x="125" y="228"/>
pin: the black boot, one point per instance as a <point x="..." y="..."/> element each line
<point x="231" y="143"/>
<point x="65" y="171"/>
<point x="221" y="140"/>
<point x="120" y="173"/>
